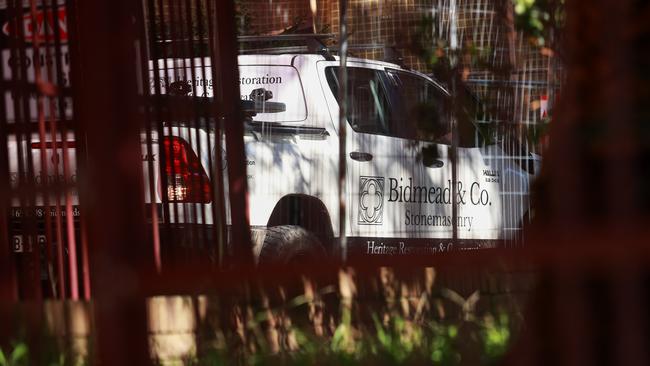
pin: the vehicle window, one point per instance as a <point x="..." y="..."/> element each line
<point x="284" y="84"/>
<point x="473" y="128"/>
<point x="425" y="111"/>
<point x="423" y="108"/>
<point x="281" y="83"/>
<point x="368" y="106"/>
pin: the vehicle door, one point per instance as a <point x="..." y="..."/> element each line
<point x="379" y="162"/>
<point x="427" y="193"/>
<point x="474" y="188"/>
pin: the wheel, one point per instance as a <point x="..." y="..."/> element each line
<point x="290" y="244"/>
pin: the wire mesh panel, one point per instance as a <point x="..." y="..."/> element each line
<point x="42" y="205"/>
<point x="48" y="151"/>
<point x="185" y="134"/>
<point x="500" y="93"/>
<point x="193" y="202"/>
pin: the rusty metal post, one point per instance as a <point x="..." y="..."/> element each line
<point x="107" y="93"/>
<point x="226" y="74"/>
<point x="343" y="110"/>
<point x="8" y="281"/>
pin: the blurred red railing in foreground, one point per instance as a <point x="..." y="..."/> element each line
<point x="590" y="242"/>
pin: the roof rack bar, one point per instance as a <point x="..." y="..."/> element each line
<point x="276" y="50"/>
<point x="286" y="37"/>
<point x="264" y="38"/>
<point x="313" y="42"/>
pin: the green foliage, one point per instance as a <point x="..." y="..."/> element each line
<point x="427" y="45"/>
<point x="442" y="345"/>
<point x="541" y="20"/>
<point x="50" y="354"/>
<point x="398" y="341"/>
<point x="496" y="336"/>
<point x="19" y="355"/>
<point x="342" y="340"/>
<point x="449" y="66"/>
<point x="408" y="322"/>
<point x="391" y="335"/>
<point x="243" y="19"/>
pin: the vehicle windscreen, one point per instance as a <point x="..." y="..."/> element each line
<point x="423" y="106"/>
<point x="369" y="110"/>
<point x="406" y="105"/>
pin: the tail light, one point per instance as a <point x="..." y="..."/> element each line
<point x="187" y="181"/>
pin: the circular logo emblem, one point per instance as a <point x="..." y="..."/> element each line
<point x="371" y="200"/>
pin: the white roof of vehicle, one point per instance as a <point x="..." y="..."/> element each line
<point x="283" y="59"/>
<point x="286" y="59"/>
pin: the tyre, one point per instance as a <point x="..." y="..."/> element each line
<point x="290" y="244"/>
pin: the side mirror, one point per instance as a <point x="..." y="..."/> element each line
<point x="261" y="95"/>
<point x="258" y="103"/>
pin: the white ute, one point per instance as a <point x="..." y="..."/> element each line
<point x="399" y="200"/>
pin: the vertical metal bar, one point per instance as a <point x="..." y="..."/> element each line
<point x="218" y="207"/>
<point x="343" y="109"/>
<point x="200" y="44"/>
<point x="85" y="265"/>
<point x="8" y="283"/>
<point x="154" y="57"/>
<point x="69" y="217"/>
<point x="175" y="238"/>
<point x="453" y="59"/>
<point x="56" y="105"/>
<point x="454" y="152"/>
<point x="226" y="74"/>
<point x="26" y="185"/>
<point x="106" y="93"/>
<point x="149" y="80"/>
<point x="176" y="32"/>
<point x="193" y="123"/>
<point x="80" y="157"/>
<point x="40" y="103"/>
<point x="17" y="193"/>
<point x="619" y="49"/>
<point x="8" y="280"/>
<point x="157" y="17"/>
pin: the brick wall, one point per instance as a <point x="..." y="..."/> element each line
<point x="271" y="17"/>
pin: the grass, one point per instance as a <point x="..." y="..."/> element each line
<point x="387" y="317"/>
<point x="378" y="319"/>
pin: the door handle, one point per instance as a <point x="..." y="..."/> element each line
<point x="432" y="163"/>
<point x="360" y="156"/>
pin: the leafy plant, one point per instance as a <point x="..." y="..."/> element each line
<point x="408" y="325"/>
<point x="496" y="336"/>
<point x="19" y="355"/>
<point x="542" y="21"/>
